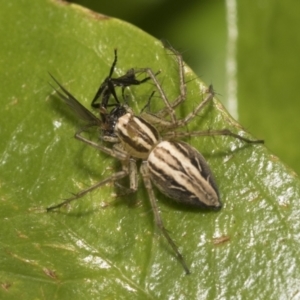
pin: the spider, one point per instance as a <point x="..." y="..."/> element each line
<point x="177" y="169"/>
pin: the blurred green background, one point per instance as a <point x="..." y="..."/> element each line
<point x="267" y="49"/>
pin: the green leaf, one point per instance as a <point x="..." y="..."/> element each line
<point x="249" y="248"/>
<point x="268" y="71"/>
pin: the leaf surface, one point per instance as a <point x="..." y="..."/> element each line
<point x="249" y="248"/>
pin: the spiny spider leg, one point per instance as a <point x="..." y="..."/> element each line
<point x="169" y="108"/>
<point x="133" y="180"/>
<point x="110" y="151"/>
<point x="183" y="122"/>
<point x="175" y="123"/>
<point x="165" y="125"/>
<point x="182" y="84"/>
<point x="158" y="220"/>
<point x="162" y="93"/>
<point x="114" y="177"/>
<point x="147" y="105"/>
<point x="225" y="132"/>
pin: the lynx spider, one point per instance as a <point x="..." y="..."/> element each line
<point x="134" y="133"/>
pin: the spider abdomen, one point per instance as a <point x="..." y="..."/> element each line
<point x="180" y="172"/>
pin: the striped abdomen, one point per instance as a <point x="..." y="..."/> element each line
<point x="181" y="173"/>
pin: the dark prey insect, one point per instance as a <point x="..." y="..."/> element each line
<point x="107" y="89"/>
<point x="177" y="169"/>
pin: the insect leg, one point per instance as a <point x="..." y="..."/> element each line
<point x="105" y="87"/>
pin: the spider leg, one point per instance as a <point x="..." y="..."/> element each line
<point x="131" y="168"/>
<point x="128" y="168"/>
<point x="225" y="132"/>
<point x="165" y="125"/>
<point x="168" y="107"/>
<point x="210" y="95"/>
<point x="157" y="217"/>
<point x="121" y="155"/>
<point x="114" y="177"/>
<point x="182" y="85"/>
